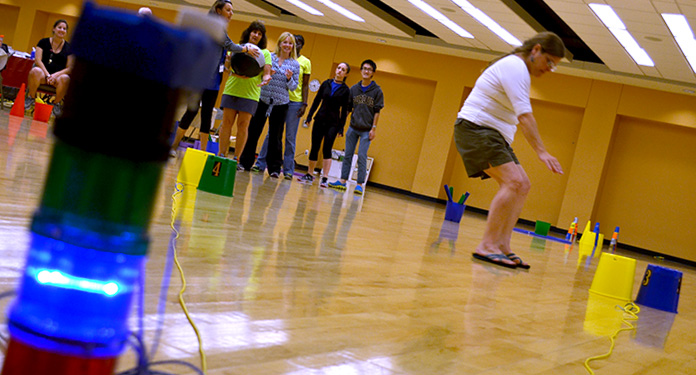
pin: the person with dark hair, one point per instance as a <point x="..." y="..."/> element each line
<point x="296" y="109"/>
<point x="368" y="101"/>
<point x="485" y="129"/>
<point x="206" y="100"/>
<point x="53" y="64"/>
<point x="334" y="97"/>
<point x="273" y="105"/>
<point x="241" y="95"/>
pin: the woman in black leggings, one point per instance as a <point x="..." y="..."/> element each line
<point x="223" y="9"/>
<point x="334" y="96"/>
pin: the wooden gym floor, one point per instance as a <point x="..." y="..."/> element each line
<point x="286" y="278"/>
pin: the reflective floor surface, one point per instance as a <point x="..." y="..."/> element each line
<point x="286" y="278"/>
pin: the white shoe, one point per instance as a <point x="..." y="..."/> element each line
<point x="172" y="153"/>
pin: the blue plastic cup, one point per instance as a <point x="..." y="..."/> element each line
<point x="660" y="288"/>
<point x="454" y="211"/>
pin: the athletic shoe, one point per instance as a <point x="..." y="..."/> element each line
<point x="240" y="168"/>
<point x="358" y="190"/>
<point x="29" y="103"/>
<point x="255" y="168"/>
<point x="324" y="182"/>
<point x="307" y="178"/>
<point x="273" y="174"/>
<point x="288" y="176"/>
<point x="172" y="153"/>
<point x="57" y="110"/>
<point x="338" y="185"/>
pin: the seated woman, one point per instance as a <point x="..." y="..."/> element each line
<point x="52" y="66"/>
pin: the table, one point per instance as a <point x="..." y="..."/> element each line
<point x="16" y="72"/>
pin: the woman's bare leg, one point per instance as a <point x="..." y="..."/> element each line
<point x="243" y="120"/>
<point x="505" y="208"/>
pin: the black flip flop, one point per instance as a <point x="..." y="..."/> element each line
<point x="494" y="258"/>
<point x="513" y="257"/>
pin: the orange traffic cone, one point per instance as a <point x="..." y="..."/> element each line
<point x="18" y="107"/>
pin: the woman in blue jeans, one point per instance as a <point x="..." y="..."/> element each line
<point x="296" y="109"/>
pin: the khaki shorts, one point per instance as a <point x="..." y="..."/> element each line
<point x="481" y="148"/>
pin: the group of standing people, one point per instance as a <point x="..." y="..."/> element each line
<point x="278" y="95"/>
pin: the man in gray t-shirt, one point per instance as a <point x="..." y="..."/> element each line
<point x="367" y="102"/>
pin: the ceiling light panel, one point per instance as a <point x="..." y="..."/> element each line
<point x="484" y="39"/>
<point x="592" y="31"/>
<point x="613" y="22"/>
<point x="683" y="33"/>
<point x="371" y="22"/>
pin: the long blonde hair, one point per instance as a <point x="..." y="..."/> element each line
<point x="283" y="37"/>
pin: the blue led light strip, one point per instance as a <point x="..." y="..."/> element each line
<point x="62" y="280"/>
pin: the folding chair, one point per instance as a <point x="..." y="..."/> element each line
<point x="47" y="93"/>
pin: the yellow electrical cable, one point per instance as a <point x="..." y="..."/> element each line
<point x="183" y="280"/>
<point x="631" y="311"/>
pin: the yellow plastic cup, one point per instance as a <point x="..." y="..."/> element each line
<point x="614" y="277"/>
<point x="587" y="243"/>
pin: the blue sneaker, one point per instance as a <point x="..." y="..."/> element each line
<point x="338" y="185"/>
<point x="358" y="190"/>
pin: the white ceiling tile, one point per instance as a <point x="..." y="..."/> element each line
<point x="690" y="12"/>
<point x="666" y="6"/>
<point x="645" y="5"/>
<point x="659" y="30"/>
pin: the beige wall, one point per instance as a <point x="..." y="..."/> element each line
<point x="650" y="172"/>
<point x="627" y="151"/>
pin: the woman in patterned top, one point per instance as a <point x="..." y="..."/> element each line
<point x="273" y="104"/>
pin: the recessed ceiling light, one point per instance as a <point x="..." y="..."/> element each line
<point x="432" y="12"/>
<point x="345" y="12"/>
<point x="381" y="40"/>
<point x="305" y="7"/>
<point x="487" y="21"/>
<point x="611" y="20"/>
<point x="679" y="27"/>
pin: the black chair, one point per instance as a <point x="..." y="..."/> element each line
<point x="47" y="93"/>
